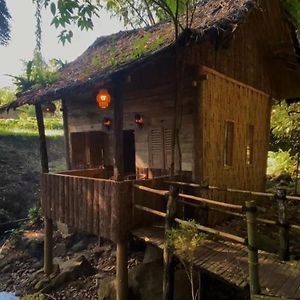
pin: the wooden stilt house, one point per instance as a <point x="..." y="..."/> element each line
<point x="118" y="107"/>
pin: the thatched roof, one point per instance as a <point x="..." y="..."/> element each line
<point x="124" y="50"/>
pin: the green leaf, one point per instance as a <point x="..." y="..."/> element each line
<point x="53" y="8"/>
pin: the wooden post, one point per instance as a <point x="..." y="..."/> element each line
<point x="118" y="130"/>
<point x="122" y="244"/>
<point x="48" y="224"/>
<point x="122" y="272"/>
<point x="66" y="132"/>
<point x="43" y="143"/>
<point x="168" y="275"/>
<point x="280" y="196"/>
<point x="251" y="212"/>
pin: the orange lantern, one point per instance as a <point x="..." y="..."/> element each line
<point x="103" y="98"/>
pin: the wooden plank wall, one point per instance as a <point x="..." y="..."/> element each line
<point x="100" y="207"/>
<point x="150" y="93"/>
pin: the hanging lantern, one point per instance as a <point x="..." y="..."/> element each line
<point x="49" y="108"/>
<point x="103" y="99"/>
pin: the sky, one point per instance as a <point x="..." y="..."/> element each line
<point x="22" y="43"/>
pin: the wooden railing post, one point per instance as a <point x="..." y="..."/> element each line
<point x="251" y="212"/>
<point x="280" y="196"/>
<point x="168" y="275"/>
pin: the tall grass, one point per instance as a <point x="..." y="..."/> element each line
<point x="28" y="126"/>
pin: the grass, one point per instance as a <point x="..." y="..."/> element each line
<point x="27" y="126"/>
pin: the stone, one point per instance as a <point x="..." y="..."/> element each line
<point x="81" y="245"/>
<point x="100" y="250"/>
<point x="152" y="253"/>
<point x="145" y="283"/>
<point x="68" y="271"/>
<point x="60" y="249"/>
<point x="64" y="229"/>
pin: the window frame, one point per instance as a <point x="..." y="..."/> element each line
<point x="228" y="150"/>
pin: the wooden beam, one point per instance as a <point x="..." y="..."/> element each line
<point x="66" y="133"/>
<point x="118" y="129"/>
<point x="42" y="135"/>
<point x="48" y="223"/>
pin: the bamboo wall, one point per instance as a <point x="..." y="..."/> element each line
<point x="224" y="100"/>
<point x="100" y="207"/>
<point x="260" y="53"/>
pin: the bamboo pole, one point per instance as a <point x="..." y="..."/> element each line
<point x="283" y="230"/>
<point x="251" y="212"/>
<point x="168" y="274"/>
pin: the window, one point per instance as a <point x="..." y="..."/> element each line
<point x="229" y="140"/>
<point x="160" y="147"/>
<point x="249" y="145"/>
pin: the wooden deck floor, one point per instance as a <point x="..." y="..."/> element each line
<point x="228" y="261"/>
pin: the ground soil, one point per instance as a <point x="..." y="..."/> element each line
<point x="20" y="172"/>
<point x="18" y="265"/>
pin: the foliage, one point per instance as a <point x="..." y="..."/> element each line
<point x="293" y="8"/>
<point x="279" y="163"/>
<point x="38" y="73"/>
<point x="6" y="96"/>
<point x="285" y="126"/>
<point x="28" y="125"/>
<point x="35" y="216"/>
<point x="185" y="241"/>
<point x="133" y="13"/>
<point x="4" y="23"/>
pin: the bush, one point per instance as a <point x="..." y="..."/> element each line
<point x="280" y="162"/>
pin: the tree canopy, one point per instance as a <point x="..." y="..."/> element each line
<point x="133" y="13"/>
<point x="4" y="23"/>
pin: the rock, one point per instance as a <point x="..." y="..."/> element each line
<point x="64" y="229"/>
<point x="60" y="249"/>
<point x="145" y="283"/>
<point x="33" y="243"/>
<point x="152" y="254"/>
<point x="68" y="271"/>
<point x="81" y="245"/>
<point x="100" y="250"/>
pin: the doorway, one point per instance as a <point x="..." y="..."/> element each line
<point x="129" y="152"/>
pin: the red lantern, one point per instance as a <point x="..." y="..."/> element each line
<point x="103" y="99"/>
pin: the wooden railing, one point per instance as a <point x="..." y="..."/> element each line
<point x="90" y="173"/>
<point x="281" y="199"/>
<point x="97" y="206"/>
<point x="248" y="211"/>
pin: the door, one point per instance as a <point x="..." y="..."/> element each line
<point x="129" y="152"/>
<point x="88" y="149"/>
